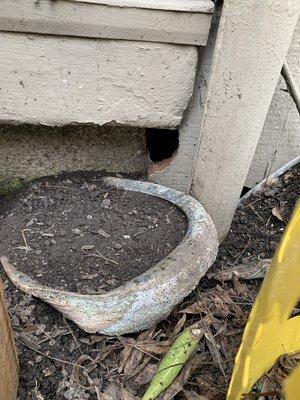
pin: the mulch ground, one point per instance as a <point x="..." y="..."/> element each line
<point x="60" y="361"/>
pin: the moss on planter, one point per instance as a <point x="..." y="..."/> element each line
<point x="9" y="186"/>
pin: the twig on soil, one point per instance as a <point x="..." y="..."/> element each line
<point x="47" y="355"/>
<point x="24" y="237"/>
<point x="99" y="255"/>
<point x="245" y="248"/>
<point x="72" y="334"/>
<point x="55" y="335"/>
<point x="87" y="369"/>
<point x="210" y="384"/>
<point x="253" y="202"/>
<point x="37" y="394"/>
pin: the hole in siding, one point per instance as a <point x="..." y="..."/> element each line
<point x="161" y="143"/>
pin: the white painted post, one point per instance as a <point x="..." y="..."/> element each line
<point x="252" y="42"/>
<point x="177" y="172"/>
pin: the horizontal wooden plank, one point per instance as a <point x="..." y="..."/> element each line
<point x="203" y="6"/>
<point x="8" y="355"/>
<point x="60" y="80"/>
<point x="86" y="19"/>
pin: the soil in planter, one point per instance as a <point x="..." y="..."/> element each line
<point x="81" y="235"/>
<point x="49" y="346"/>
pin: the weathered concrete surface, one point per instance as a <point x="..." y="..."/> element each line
<point x="32" y="151"/>
<point x="143" y="301"/>
<point x="280" y="138"/>
<point x="252" y="42"/>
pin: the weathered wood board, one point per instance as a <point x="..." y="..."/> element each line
<point x="280" y="139"/>
<point x="128" y="20"/>
<point x="61" y="80"/>
<point x="9" y="374"/>
<point x="205" y="6"/>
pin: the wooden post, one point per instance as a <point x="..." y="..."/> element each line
<point x="9" y="375"/>
<point x="252" y="42"/>
<point x="177" y="172"/>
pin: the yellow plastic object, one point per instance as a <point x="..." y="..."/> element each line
<point x="292" y="385"/>
<point x="270" y="332"/>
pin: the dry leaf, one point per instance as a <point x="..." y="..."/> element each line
<point x="195" y="308"/>
<point x="178" y="326"/>
<point x="28" y="340"/>
<point x="154" y="347"/>
<point x="138" y="369"/>
<point x="125" y="394"/>
<point x="144" y="376"/>
<point x="123" y="358"/>
<point x="92" y="339"/>
<point x="239" y="288"/>
<point x="102" y="233"/>
<point x="81" y="375"/>
<point x="87" y="247"/>
<point x="192" y="395"/>
<point x="214" y="351"/>
<point x="104" y="396"/>
<point x="111" y="392"/>
<point x="135" y="358"/>
<point x="288" y="175"/>
<point x="245" y="271"/>
<point x="136" y="355"/>
<point x="277" y="213"/>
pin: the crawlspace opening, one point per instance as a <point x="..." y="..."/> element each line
<point x="162" y="143"/>
<point x="244" y="190"/>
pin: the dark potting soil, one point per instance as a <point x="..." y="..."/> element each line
<point x="49" y="346"/>
<point x="258" y="225"/>
<point x="84" y="236"/>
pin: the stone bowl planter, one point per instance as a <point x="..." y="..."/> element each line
<point x="143" y="301"/>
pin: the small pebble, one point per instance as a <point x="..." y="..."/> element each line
<point x="77" y="231"/>
<point x="105" y="203"/>
<point x="91" y="188"/>
<point x="103" y="233"/>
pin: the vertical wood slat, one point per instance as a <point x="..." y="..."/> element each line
<point x="9" y="366"/>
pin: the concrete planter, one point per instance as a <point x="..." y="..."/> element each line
<point x="143" y="301"/>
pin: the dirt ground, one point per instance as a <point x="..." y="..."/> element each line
<point x="60" y="361"/>
<point x="90" y="236"/>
